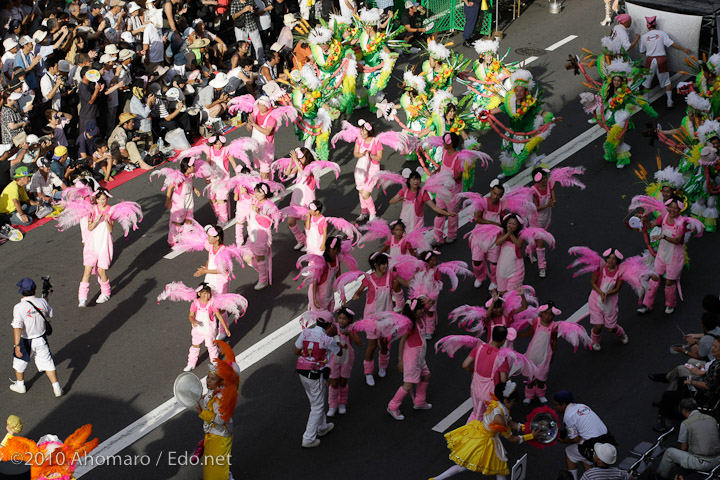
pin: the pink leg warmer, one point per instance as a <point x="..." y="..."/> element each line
<point x="384" y="360"/>
<point x="104" y="287"/>
<point x="193" y="355"/>
<point x="262" y="268"/>
<point x="368" y="367"/>
<point x="221" y="212"/>
<point x="333" y="397"/>
<point x="298" y="233"/>
<point x="398" y="299"/>
<point x="542" y="263"/>
<point x="83" y="290"/>
<point x="421" y="393"/>
<point x="620" y="332"/>
<point x="650" y="293"/>
<point x="363" y="205"/>
<point x="370" y="205"/>
<point x="540" y="391"/>
<point x="239" y="234"/>
<point x="453" y="223"/>
<point x="670" y="296"/>
<point x="211" y="348"/>
<point x="530" y="392"/>
<point x="438" y="226"/>
<point x="595" y="337"/>
<point x="430" y="322"/>
<point x="480" y="272"/>
<point x="397" y="399"/>
<point x="343" y="395"/>
<point x="493" y="273"/>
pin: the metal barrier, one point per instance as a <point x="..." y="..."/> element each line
<point x="450" y="15"/>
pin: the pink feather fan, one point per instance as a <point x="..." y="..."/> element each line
<point x="240" y="147"/>
<point x="566" y="177"/>
<point x="312" y="167"/>
<point x="440" y="183"/>
<point x="398" y="141"/>
<point x="195" y="151"/>
<point x="344" y="280"/>
<point x="517" y="362"/>
<point x="406" y="266"/>
<point x="478" y="201"/>
<point x="208" y="170"/>
<point x="177" y="292"/>
<point x="636" y="271"/>
<point x="242" y="103"/>
<point x="127" y="214"/>
<point x="452" y="343"/>
<point x="648" y="204"/>
<point x="377" y="229"/>
<point x="279" y="166"/>
<point x="482" y="237"/>
<point x="192" y="238"/>
<point x="345" y="227"/>
<point x="229" y="254"/>
<point x="232" y="303"/>
<point x="694" y="225"/>
<point x="243" y="180"/>
<point x="386" y="178"/>
<point x="588" y="260"/>
<point x="452" y="270"/>
<point x="76" y="192"/>
<point x="75" y="211"/>
<point x="313" y="271"/>
<point x="217" y="189"/>
<point x="467" y="315"/>
<point x="286" y="113"/>
<point x="345" y="255"/>
<point x="172" y="177"/>
<point x="574" y="334"/>
<point x="384" y="325"/>
<point x="294" y="211"/>
<point x="309" y="319"/>
<point x="520" y="201"/>
<point x="348" y="133"/>
<point x="420" y="239"/>
<point x="469" y="157"/>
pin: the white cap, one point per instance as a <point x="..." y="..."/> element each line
<point x="276" y="47"/>
<point x="9" y="44"/>
<point x="32" y="139"/>
<point x="127" y="37"/>
<point x="107" y="58"/>
<point x="133" y="7"/>
<point x="24" y="40"/>
<point x="39" y="36"/>
<point x="606" y="453"/>
<point x="15" y="96"/>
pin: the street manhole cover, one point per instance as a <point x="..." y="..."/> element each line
<point x="530" y="52"/>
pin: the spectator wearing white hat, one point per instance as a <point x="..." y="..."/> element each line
<point x="43" y="48"/>
<point x="170" y="111"/>
<point x="12" y="121"/>
<point x="45" y="186"/>
<point x="115" y="17"/>
<point x="8" y="58"/>
<point x="212" y="99"/>
<point x="110" y="75"/>
<point x="125" y="77"/>
<point x="26" y="60"/>
<point x="153" y="47"/>
<point x="134" y="23"/>
<point x="605" y="456"/>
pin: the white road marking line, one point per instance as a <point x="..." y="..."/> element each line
<point x="456" y="414"/>
<point x="562" y="42"/>
<point x="528" y="61"/>
<point x="275" y="199"/>
<point x="553" y="159"/>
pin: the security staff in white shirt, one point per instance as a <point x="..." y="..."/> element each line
<point x="29" y="328"/>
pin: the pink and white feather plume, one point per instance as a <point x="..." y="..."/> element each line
<point x="648" y="204"/>
<point x="313" y="167"/>
<point x="468" y="315"/>
<point x="452" y="269"/>
<point x="345" y="255"/>
<point x="191" y="152"/>
<point x="468" y="158"/>
<point x="406" y="266"/>
<point x="452" y="343"/>
<point x="232" y="303"/>
<point x="344" y="280"/>
<point x="127" y="214"/>
<point x="240" y="147"/>
<point x="285" y="113"/>
<point x="517" y="362"/>
<point x="420" y="239"/>
<point x="398" y="141"/>
<point x="565" y="176"/>
<point x="345" y="227"/>
<point x="310" y="319"/>
<point x="75" y="212"/>
<point x="177" y="292"/>
<point x="348" y="133"/>
<point x="385" y="178"/>
<point x="636" y="272"/>
<point x="377" y="229"/>
<point x="243" y="103"/>
<point x="574" y="334"/>
<point x="587" y="259"/>
<point x="192" y="238"/>
<point x="483" y="236"/>
<point x="171" y="176"/>
<point x="520" y="201"/>
<point x="384" y="325"/>
<point x="313" y="271"/>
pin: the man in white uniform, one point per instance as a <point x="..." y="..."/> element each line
<point x="653" y="44"/>
<point x="29" y="328"/>
<point x="620" y="32"/>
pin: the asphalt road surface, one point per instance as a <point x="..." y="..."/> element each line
<point x="117" y="361"/>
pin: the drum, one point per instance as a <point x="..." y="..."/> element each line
<point x="188" y="389"/>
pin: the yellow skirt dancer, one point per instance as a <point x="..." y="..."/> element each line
<point x="477" y="446"/>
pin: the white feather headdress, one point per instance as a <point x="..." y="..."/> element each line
<point x="413" y="81"/>
<point x="486" y="46"/>
<point x="714" y="63"/>
<point x="439" y="100"/>
<point x="319" y="35"/>
<point x="336" y="20"/>
<point x="669" y="176"/>
<point x="612" y="45"/>
<point x="696" y="102"/>
<point x="618" y="68"/>
<point x="709" y="129"/>
<point x="309" y="77"/>
<point x="371" y="16"/>
<point x="438" y="51"/>
<point x="522" y="77"/>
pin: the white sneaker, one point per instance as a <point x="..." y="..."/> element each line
<point x="669" y="310"/>
<point x="82" y="303"/>
<point x="58" y="391"/>
<point x="620" y="166"/>
<point x="492" y="287"/>
<point x="17" y="388"/>
<point x="342" y="409"/>
<point x="527" y="401"/>
<point x="541" y="273"/>
<point x="382" y="372"/>
<point x="372" y="217"/>
<point x="642" y="309"/>
<point x="428" y="336"/>
<point x="396" y="414"/>
<point x="596" y="347"/>
<point x="298" y="246"/>
<point x="625" y="339"/>
<point x="102" y="299"/>
<point x="331" y="412"/>
<point x="477" y="283"/>
<point x="424" y="406"/>
<point x="328" y="428"/>
<point x="669" y="103"/>
<point x="189" y="368"/>
<point x="370" y="380"/>
<point x="362" y="218"/>
<point x="543" y="400"/>
<point x="312" y="444"/>
<point x="260" y="286"/>
<point x="304" y="248"/>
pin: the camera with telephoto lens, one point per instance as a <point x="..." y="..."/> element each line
<point x="47" y="287"/>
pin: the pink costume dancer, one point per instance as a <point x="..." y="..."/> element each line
<point x="97" y="250"/>
<point x="341" y="366"/>
<point x="305" y="186"/>
<point x="322" y="272"/>
<point x="412" y="364"/>
<point x="316" y="227"/>
<point x="414" y="196"/>
<point x="395" y="246"/>
<point x="368" y="151"/>
<point x="179" y="196"/>
<point x="218" y="154"/>
<point x="510" y="264"/>
<point x="263" y="125"/>
<point x="264" y="213"/>
<point x="481" y="362"/>
<point x="452" y="166"/>
<point x="243" y="207"/>
<point x="488" y="211"/>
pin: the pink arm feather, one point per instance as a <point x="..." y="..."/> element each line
<point x="127" y="214"/>
<point x="343" y="280"/>
<point x="374" y="230"/>
<point x="398" y="141"/>
<point x="192" y="238"/>
<point x="232" y="303"/>
<point x="177" y="292"/>
<point x="588" y="260"/>
<point x="452" y="343"/>
<point x="348" y="133"/>
<point x="566" y="177"/>
<point x="195" y="151"/>
<point x="345" y="227"/>
<point x="574" y="334"/>
<point x="452" y="269"/>
<point x="242" y="103"/>
<point x="74" y="213"/>
<point x="385" y="178"/>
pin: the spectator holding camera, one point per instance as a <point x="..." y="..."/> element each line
<point x="57" y="121"/>
<point x="12" y="120"/>
<point x="30" y="329"/>
<point x="45" y="186"/>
